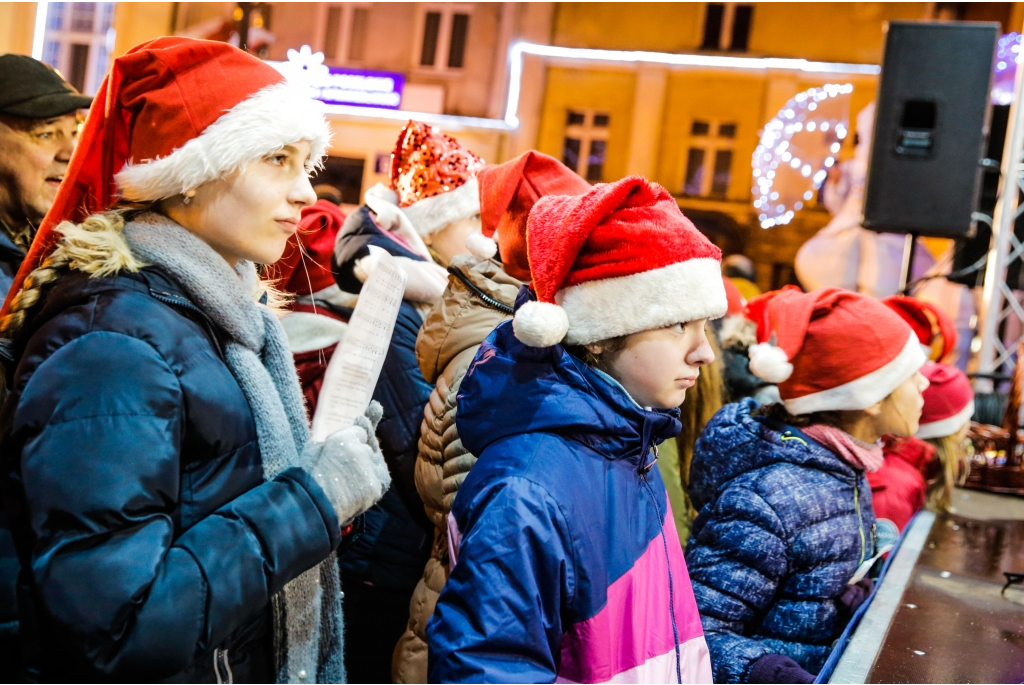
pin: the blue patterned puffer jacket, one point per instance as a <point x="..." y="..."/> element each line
<point x="783" y="525"/>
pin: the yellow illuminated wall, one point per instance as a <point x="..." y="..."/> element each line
<point x="604" y="89"/>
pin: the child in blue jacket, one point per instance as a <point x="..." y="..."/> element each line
<point x="566" y="562"/>
<point x="785" y="530"/>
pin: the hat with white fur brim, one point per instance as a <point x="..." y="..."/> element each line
<point x="267" y="121"/>
<point x="617" y="260"/>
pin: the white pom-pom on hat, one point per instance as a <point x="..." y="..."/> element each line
<point x="769" y="363"/>
<point x="540" y="324"/>
<point x="480" y="246"/>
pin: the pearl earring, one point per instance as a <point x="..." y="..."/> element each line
<point x="188" y="195"/>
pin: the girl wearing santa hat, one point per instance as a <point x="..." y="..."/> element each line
<point x="480" y="295"/>
<point x="785" y="530"/>
<point x="565" y="559"/>
<point x="172" y="518"/>
<point x="923" y="470"/>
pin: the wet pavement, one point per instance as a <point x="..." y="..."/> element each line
<point x="953" y="625"/>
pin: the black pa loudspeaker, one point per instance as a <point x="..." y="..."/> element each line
<point x="930" y="127"/>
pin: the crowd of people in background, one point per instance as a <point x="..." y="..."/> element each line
<point x="596" y="451"/>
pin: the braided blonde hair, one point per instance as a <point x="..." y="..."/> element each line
<point x="95" y="246"/>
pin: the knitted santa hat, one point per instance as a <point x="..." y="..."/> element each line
<point x="830" y="349"/>
<point x="618" y="260"/>
<point x="173" y="114"/>
<point x="507" y="194"/>
<point x="930" y="323"/>
<point x="434" y="178"/>
<point x="305" y="266"/>
<point x="948" y="401"/>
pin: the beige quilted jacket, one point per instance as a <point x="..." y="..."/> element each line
<point x="447" y="343"/>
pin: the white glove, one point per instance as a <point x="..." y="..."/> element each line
<point x="349" y="466"/>
<point x="426" y="281"/>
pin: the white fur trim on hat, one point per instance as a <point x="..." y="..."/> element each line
<point x="948" y="425"/>
<point x="265" y="122"/>
<point x="540" y="324"/>
<point x="431" y="214"/>
<point x="769" y="363"/>
<point x="307" y="331"/>
<point x="480" y="246"/>
<point x="610" y="307"/>
<point x="866" y="390"/>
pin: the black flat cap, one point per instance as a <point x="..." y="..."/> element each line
<point x="33" y="90"/>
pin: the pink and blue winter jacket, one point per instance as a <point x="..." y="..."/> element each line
<point x="569" y="567"/>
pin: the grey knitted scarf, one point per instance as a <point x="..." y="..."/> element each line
<point x="307" y="612"/>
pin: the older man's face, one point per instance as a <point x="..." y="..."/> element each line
<point x="34" y="155"/>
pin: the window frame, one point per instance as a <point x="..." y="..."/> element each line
<point x="725" y="31"/>
<point x="711" y="143"/>
<point x="586" y="133"/>
<point x="344" y="44"/>
<point x="97" y="41"/>
<point x="444" y="37"/>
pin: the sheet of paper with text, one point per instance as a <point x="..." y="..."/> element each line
<point x="355" y="367"/>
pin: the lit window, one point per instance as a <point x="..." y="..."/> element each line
<point x="79" y="38"/>
<point x="727" y="26"/>
<point x="709" y="159"/>
<point x="445" y="37"/>
<point x="586" y="143"/>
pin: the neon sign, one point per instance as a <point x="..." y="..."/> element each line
<point x="341" y="85"/>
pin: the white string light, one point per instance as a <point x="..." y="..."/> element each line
<point x="797" y="148"/>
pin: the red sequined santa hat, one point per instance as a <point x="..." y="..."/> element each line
<point x="507" y="194"/>
<point x="175" y="113"/>
<point x="434" y="178"/>
<point x="830" y="349"/>
<point x="305" y="266"/>
<point x="930" y="323"/>
<point x="619" y="259"/>
<point x="948" y="401"/>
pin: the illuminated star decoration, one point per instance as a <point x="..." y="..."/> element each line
<point x="304" y="65"/>
<point x="797" y="148"/>
<point x="1008" y="56"/>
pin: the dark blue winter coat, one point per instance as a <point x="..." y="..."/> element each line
<point x="783" y="525"/>
<point x="134" y="485"/>
<point x="570" y="565"/>
<point x="395" y="542"/>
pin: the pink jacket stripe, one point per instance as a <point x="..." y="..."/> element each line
<point x="632" y="637"/>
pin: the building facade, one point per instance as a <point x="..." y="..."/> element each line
<point x="677" y="114"/>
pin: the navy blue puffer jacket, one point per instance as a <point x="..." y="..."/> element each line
<point x="396" y="538"/>
<point x="783" y="525"/>
<point x="150" y="544"/>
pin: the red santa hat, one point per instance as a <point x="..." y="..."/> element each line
<point x="948" y="401"/>
<point x="434" y="178"/>
<point x="305" y="266"/>
<point x="173" y="114"/>
<point x="507" y="194"/>
<point x="618" y="260"/>
<point x="733" y="297"/>
<point x="930" y="323"/>
<point x="830" y="349"/>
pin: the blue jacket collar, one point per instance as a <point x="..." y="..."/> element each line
<point x="512" y="389"/>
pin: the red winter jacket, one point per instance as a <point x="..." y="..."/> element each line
<point x="898" y="488"/>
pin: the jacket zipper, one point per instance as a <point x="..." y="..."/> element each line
<point x="175" y="301"/>
<point x="668" y="566"/>
<point x="220" y="660"/>
<point x="860" y="520"/>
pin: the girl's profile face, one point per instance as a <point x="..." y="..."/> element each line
<point x="900" y="412"/>
<point x="250" y="214"/>
<point x="656" y="367"/>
